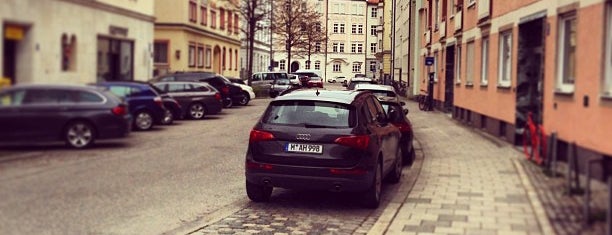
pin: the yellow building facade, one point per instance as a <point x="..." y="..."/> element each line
<point x="197" y="35"/>
<point x="385" y="32"/>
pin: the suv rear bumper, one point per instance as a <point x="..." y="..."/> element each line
<point x="320" y="179"/>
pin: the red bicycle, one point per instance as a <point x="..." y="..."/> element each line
<point x="534" y="140"/>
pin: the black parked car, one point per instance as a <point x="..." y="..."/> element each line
<point x="197" y="99"/>
<point x="230" y="93"/>
<point x="78" y="115"/>
<point x="323" y="140"/>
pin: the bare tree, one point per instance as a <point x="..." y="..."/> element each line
<point x="313" y="34"/>
<point x="289" y="21"/>
<point x="252" y="12"/>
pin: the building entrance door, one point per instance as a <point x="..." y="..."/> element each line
<point x="530" y="78"/>
<point x="449" y="78"/>
<point x="11" y="39"/>
<point x="115" y="59"/>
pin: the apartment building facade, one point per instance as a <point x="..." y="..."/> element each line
<point x="401" y="37"/>
<point x="497" y="61"/>
<point x="385" y="32"/>
<point x="197" y="35"/>
<point x="373" y="18"/>
<point x="70" y="41"/>
<point x="261" y="50"/>
<point x="346" y="24"/>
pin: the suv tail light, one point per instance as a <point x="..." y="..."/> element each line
<point x="158" y="101"/>
<point x="120" y="110"/>
<point x="257" y="135"/>
<point x="225" y="90"/>
<point x="253" y="165"/>
<point x="218" y="96"/>
<point x="355" y="141"/>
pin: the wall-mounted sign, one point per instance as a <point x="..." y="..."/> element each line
<point x="429" y="61"/>
<point x="13" y="32"/>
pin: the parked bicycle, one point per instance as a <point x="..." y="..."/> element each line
<point x="534" y="140"/>
<point x="425" y="103"/>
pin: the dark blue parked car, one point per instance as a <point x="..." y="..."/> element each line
<point x="146" y="104"/>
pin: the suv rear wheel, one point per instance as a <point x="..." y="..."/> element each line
<point x="258" y="193"/>
<point x="371" y="197"/>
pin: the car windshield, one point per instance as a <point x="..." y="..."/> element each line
<point x="310" y="114"/>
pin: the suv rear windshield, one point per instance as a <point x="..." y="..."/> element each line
<point x="309" y="74"/>
<point x="310" y="114"/>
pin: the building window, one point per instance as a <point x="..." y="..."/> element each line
<point x="373" y="30"/>
<point x="505" y="58"/>
<point x="566" y="64"/>
<point x="230" y="25"/>
<point x="236" y="23"/>
<point x="68" y="52"/>
<point x="372" y="66"/>
<point x="484" y="62"/>
<point x="335" y="47"/>
<point x="354" y="29"/>
<point x="608" y="54"/>
<point x="160" y="52"/>
<point x="359" y="47"/>
<point x="360" y="29"/>
<point x="341" y="28"/>
<point x="192" y="55"/>
<point x="337" y="68"/>
<point x="236" y="60"/>
<point x="471" y="2"/>
<point x="208" y="58"/>
<point x="317" y="65"/>
<point x="469" y="70"/>
<point x="435" y="67"/>
<point x="308" y="64"/>
<point x="200" y="56"/>
<point x="115" y="59"/>
<point x="356" y="67"/>
<point x="318" y="47"/>
<point x="213" y="19"/>
<point x="193" y="11"/>
<point x="223" y="58"/>
<point x="354" y="48"/>
<point x="458" y="64"/>
<point x="451" y="8"/>
<point x="336" y="29"/>
<point x="281" y="64"/>
<point x="230" y="58"/>
<point x="437" y="14"/>
<point x="374" y="12"/>
<point x="372" y="48"/>
<point x="222" y="18"/>
<point x="204" y="15"/>
<point x="341" y="47"/>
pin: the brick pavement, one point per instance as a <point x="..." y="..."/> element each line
<point x="469" y="184"/>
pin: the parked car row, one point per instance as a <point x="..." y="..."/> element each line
<point x="81" y="114"/>
<point x="341" y="141"/>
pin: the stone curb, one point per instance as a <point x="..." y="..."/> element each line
<point x="536" y="204"/>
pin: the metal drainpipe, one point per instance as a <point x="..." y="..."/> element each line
<point x="393" y="41"/>
<point x="327" y="34"/>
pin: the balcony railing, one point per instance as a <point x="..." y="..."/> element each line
<point x="458" y="20"/>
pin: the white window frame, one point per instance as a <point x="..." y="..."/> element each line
<point x="373" y="48"/>
<point x="562" y="57"/>
<point x="335" y="47"/>
<point x="374" y="12"/>
<point x="281" y="65"/>
<point x="458" y="64"/>
<point x="354" y="29"/>
<point x="317" y="65"/>
<point x="451" y="8"/>
<point x="353" y="47"/>
<point x="341" y="47"/>
<point x="505" y="79"/>
<point x="336" y="28"/>
<point x="435" y="66"/>
<point x="359" y="29"/>
<point x="356" y="67"/>
<point x="607" y="88"/>
<point x="359" y="47"/>
<point x="318" y="47"/>
<point x="373" y="66"/>
<point x="337" y="67"/>
<point x="341" y="28"/>
<point x="484" y="61"/>
<point x="373" y="29"/>
<point x="470" y="58"/>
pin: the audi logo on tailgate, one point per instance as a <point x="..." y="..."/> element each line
<point x="303" y="136"/>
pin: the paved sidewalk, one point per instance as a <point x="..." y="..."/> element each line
<point x="470" y="183"/>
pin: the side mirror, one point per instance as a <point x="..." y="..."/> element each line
<point x="405" y="111"/>
<point x="402" y="103"/>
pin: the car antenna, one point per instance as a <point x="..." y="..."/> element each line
<point x="317" y="93"/>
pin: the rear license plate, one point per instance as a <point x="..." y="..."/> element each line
<point x="304" y="148"/>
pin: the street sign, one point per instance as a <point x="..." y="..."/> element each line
<point x="429" y="61"/>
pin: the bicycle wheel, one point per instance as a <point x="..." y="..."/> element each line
<point x="422" y="102"/>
